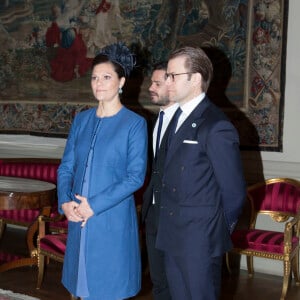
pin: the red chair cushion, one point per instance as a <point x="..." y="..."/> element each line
<point x="57" y="225"/>
<point x="261" y="240"/>
<point x="55" y="243"/>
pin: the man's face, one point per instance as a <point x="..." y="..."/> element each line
<point x="179" y="81"/>
<point x="158" y="88"/>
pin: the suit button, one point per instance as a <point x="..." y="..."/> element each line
<point x="171" y="213"/>
<point x="182" y="168"/>
<point x="174" y="190"/>
<point x="163" y="185"/>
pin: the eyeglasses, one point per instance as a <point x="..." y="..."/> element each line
<point x="172" y="75"/>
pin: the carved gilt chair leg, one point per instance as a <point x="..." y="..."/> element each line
<point x="295" y="267"/>
<point x="250" y="266"/>
<point x="286" y="279"/>
<point x="41" y="269"/>
<point x="228" y="263"/>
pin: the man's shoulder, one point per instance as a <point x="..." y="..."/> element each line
<point x="212" y="111"/>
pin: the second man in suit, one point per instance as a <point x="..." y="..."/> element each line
<point x="151" y="202"/>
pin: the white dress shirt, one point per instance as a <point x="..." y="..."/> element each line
<point x="187" y="108"/>
<point x="169" y="112"/>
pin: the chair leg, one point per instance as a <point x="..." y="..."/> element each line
<point x="228" y="263"/>
<point x="295" y="268"/>
<point x="41" y="270"/>
<point x="2" y="227"/>
<point x="250" y="266"/>
<point x="286" y="278"/>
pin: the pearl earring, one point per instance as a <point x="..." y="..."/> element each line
<point x="120" y="90"/>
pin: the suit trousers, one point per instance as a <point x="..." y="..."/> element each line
<point x="194" y="278"/>
<point x="156" y="260"/>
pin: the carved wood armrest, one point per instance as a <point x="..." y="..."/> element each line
<point x="56" y="218"/>
<point x="291" y="230"/>
<point x="44" y="221"/>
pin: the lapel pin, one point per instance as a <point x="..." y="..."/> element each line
<point x="194" y="125"/>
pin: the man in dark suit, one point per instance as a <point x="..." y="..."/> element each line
<point x="203" y="187"/>
<point x="151" y="200"/>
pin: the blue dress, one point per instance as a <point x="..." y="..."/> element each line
<point x="82" y="287"/>
<point x="102" y="260"/>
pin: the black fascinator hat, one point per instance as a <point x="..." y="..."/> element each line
<point x="121" y="55"/>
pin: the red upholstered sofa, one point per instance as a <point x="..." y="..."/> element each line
<point x="44" y="169"/>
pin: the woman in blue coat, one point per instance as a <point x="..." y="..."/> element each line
<point x="104" y="163"/>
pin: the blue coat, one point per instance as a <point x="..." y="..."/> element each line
<point x="117" y="170"/>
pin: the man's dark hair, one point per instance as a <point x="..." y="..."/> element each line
<point x="162" y="65"/>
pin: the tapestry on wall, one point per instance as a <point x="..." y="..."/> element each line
<point x="47" y="48"/>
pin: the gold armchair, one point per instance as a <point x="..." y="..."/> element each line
<point x="50" y="245"/>
<point x="278" y="198"/>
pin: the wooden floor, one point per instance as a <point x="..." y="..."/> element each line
<point x="236" y="286"/>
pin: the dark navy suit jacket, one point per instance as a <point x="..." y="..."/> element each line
<point x="203" y="187"/>
<point x="154" y="186"/>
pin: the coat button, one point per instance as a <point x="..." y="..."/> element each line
<point x="174" y="189"/>
<point x="171" y="213"/>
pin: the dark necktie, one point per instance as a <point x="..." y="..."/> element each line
<point x="160" y="122"/>
<point x="173" y="125"/>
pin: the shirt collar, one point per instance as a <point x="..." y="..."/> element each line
<point x="170" y="110"/>
<point x="189" y="106"/>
